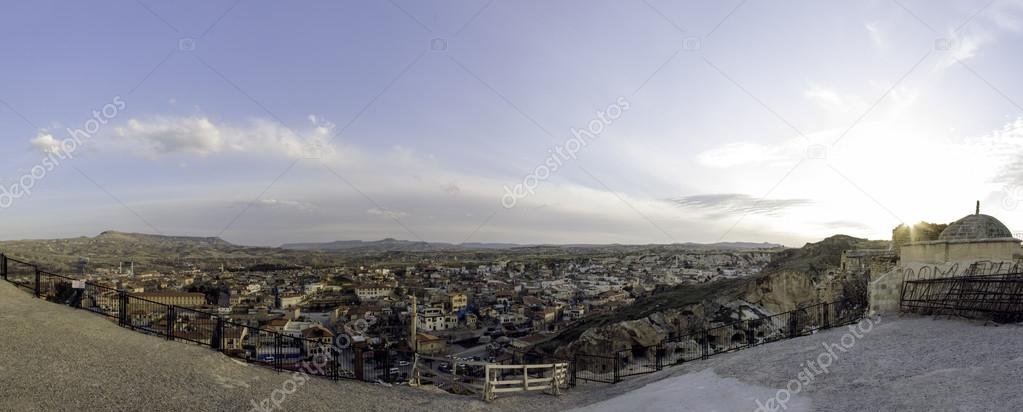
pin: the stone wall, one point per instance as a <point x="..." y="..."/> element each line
<point x="940" y="252"/>
<point x="885" y="289"/>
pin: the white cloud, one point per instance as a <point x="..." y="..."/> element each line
<point x="741" y="154"/>
<point x="200" y="136"/>
<point x="1005" y="147"/>
<point x="965" y="47"/>
<point x="277" y="203"/>
<point x="386" y="213"/>
<point x="166" y="135"/>
<point x="45" y="143"/>
<point x="1007" y="15"/>
<point x="837" y="105"/>
<point x="720" y="205"/>
<point x="876" y="36"/>
<point x="985" y="28"/>
<point x="822" y="96"/>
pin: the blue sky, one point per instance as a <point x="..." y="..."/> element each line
<point x="267" y="122"/>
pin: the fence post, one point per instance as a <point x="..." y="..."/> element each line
<point x="335" y="353"/>
<point x="618" y="366"/>
<point x="573" y="371"/>
<point x="37" y="281"/>
<point x="170" y="323"/>
<point x="3" y="265"/>
<point x="277" y="351"/>
<point x="706" y="345"/>
<point x="525" y="378"/>
<point x="827" y="315"/>
<point x="122" y="308"/>
<point x="358" y="363"/>
<point x="660" y="356"/>
<point x="218" y="339"/>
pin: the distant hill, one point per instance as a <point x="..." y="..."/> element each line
<point x="815" y="258"/>
<point x="381" y="245"/>
<point x="147" y="251"/>
<point x="737" y="245"/>
<point x="394" y="245"/>
<point x="160" y="252"/>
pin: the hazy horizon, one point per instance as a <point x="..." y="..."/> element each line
<point x="396" y="239"/>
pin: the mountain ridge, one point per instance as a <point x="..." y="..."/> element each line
<point x="439" y="246"/>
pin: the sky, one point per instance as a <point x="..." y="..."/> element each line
<point x="646" y="121"/>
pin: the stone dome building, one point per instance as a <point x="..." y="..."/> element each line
<point x="972" y="238"/>
<point x="976" y="227"/>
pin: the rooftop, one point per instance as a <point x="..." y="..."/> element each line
<point x="976" y="227"/>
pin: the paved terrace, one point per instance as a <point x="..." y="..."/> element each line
<point x="902" y="364"/>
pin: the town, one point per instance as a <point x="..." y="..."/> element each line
<point x="481" y="312"/>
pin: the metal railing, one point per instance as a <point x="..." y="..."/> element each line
<point x="701" y="344"/>
<point x="281" y="351"/>
<point x="998" y="297"/>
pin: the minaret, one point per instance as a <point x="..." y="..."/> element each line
<point x="978" y="207"/>
<point x="415" y="318"/>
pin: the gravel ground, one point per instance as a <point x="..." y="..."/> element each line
<point x="55" y="358"/>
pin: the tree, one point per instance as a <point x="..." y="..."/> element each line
<point x="920" y="232"/>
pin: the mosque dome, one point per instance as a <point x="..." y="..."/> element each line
<point x="976" y="227"/>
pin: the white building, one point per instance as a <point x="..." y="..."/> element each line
<point x="373" y="292"/>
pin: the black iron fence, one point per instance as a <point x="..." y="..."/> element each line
<point x="281" y="350"/>
<point x="701" y="344"/>
<point x="998" y="297"/>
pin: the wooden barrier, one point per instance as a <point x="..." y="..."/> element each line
<point x="554" y="376"/>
